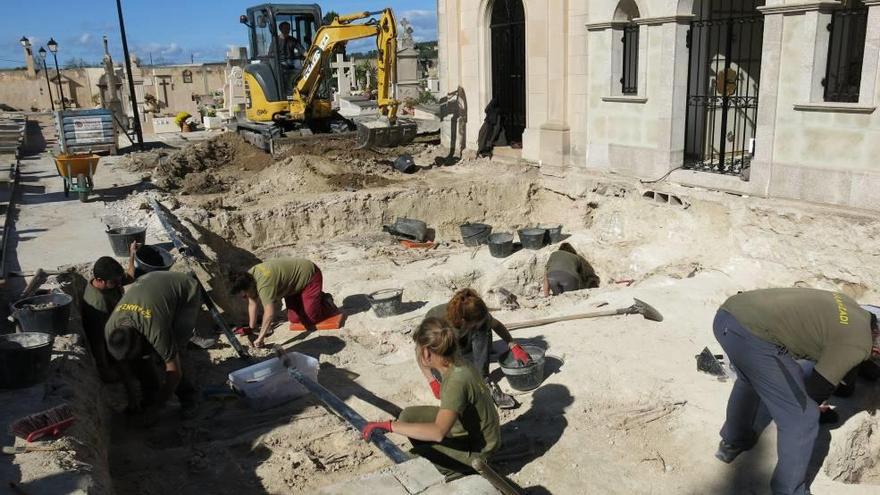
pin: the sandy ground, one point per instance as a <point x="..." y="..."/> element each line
<point x="622" y="408"/>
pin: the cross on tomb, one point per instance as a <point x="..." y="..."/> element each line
<point x="344" y="74"/>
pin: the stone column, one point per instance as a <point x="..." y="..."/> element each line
<point x="555" y="134"/>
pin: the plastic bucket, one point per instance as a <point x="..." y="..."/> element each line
<point x="474" y="234"/>
<point x="152" y="259"/>
<point x="532" y="238"/>
<point x="410" y="227"/>
<point x="501" y="245"/>
<point x="524" y="378"/>
<point x="386" y="302"/>
<point x="122" y="237"/>
<point x="49" y="313"/>
<point x="554" y="233"/>
<point x="24" y="358"/>
<point x="268" y="384"/>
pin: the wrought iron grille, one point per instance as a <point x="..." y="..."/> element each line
<point x="846" y="50"/>
<point x="629" y="80"/>
<point x="725" y="41"/>
<point x="508" y="28"/>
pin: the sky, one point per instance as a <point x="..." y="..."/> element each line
<point x="172" y="30"/>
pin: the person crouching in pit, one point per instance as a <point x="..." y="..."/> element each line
<point x="465" y="425"/>
<point x="296" y="280"/>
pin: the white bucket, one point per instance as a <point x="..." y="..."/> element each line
<point x="268" y="384"/>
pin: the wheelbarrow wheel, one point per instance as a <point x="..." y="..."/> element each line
<point x="82" y="186"/>
<point x="66" y="188"/>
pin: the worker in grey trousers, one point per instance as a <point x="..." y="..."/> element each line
<point x="763" y="332"/>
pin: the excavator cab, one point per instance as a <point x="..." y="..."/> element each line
<point x="280" y="36"/>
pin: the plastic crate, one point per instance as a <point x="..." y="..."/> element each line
<point x="268" y="384"/>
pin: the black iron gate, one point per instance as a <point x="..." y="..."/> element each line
<point x="725" y="42"/>
<point x="508" y="28"/>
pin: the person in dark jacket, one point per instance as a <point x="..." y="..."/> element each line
<point x="567" y="271"/>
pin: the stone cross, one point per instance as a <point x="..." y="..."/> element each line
<point x="344" y="74"/>
<point x="406" y="38"/>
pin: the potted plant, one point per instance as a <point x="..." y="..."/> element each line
<point x="182" y="121"/>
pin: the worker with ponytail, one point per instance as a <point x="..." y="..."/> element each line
<point x="465" y="425"/>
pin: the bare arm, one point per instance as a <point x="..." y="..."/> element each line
<point x="268" y="316"/>
<point x="129" y="270"/>
<point x="428" y="432"/>
<point x="253" y="310"/>
<point x="502" y="332"/>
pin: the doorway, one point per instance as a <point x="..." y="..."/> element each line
<point x="724" y="42"/>
<point x="508" y="35"/>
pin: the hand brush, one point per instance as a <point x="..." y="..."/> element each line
<point x="49" y="422"/>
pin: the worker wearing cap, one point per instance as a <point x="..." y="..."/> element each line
<point x="297" y="281"/>
<point x="155" y="318"/>
<point x="763" y="332"/>
<point x="567" y="271"/>
<point x="99" y="299"/>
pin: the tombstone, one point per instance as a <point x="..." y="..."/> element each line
<point x="408" y="84"/>
<point x="234" y="97"/>
<point x="344" y="75"/>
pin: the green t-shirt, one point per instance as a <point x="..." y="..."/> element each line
<point x="161" y="306"/>
<point x="97" y="305"/>
<point x="464" y="392"/>
<point x="281" y="277"/>
<point x="572" y="264"/>
<point x="822" y="326"/>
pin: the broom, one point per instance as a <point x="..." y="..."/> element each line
<point x="49" y="422"/>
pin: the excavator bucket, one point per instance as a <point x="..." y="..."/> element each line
<point x="379" y="134"/>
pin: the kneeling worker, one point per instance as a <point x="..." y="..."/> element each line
<point x="567" y="271"/>
<point x="296" y="280"/>
<point x="763" y="332"/>
<point x="465" y="425"/>
<point x="156" y="317"/>
<point x="473" y="325"/>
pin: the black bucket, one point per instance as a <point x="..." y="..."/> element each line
<point x="122" y="237"/>
<point x="501" y="245"/>
<point x="417" y="230"/>
<point x="524" y="378"/>
<point x="152" y="259"/>
<point x="554" y="233"/>
<point x="474" y="234"/>
<point x="532" y="238"/>
<point x="24" y="358"/>
<point x="386" y="302"/>
<point x="49" y="313"/>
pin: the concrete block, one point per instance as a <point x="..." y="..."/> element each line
<point x="385" y="484"/>
<point x="469" y="485"/>
<point x="417" y="475"/>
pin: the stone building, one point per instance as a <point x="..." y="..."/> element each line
<point x="763" y="97"/>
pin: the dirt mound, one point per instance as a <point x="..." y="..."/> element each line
<point x="854" y="459"/>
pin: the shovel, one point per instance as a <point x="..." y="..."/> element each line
<point x="639" y="307"/>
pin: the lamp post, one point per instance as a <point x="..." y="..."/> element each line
<point x="42" y="53"/>
<point x="53" y="47"/>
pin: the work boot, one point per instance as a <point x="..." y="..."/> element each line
<point x="726" y="452"/>
<point x="502" y="400"/>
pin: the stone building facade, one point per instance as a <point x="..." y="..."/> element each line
<point x="764" y="97"/>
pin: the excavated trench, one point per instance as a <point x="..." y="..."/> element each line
<point x="298" y="206"/>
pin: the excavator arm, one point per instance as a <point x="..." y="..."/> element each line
<point x="339" y="31"/>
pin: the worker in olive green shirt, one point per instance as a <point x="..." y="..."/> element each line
<point x="296" y="280"/>
<point x="465" y="426"/>
<point x="567" y="271"/>
<point x="99" y="298"/>
<point x="156" y="317"/>
<point x="763" y="332"/>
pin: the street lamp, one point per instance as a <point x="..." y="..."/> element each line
<point x="42" y="52"/>
<point x="26" y="43"/>
<point x="53" y="47"/>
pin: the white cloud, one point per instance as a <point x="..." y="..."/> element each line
<point x="85" y="38"/>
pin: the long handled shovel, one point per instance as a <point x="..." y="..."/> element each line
<point x="638" y="308"/>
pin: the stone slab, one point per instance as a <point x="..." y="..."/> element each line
<point x="469" y="485"/>
<point x="384" y="483"/>
<point x="417" y="475"/>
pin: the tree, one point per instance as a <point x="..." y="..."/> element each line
<point x="77" y="63"/>
<point x="330" y="15"/>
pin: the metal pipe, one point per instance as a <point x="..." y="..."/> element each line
<point x="132" y="96"/>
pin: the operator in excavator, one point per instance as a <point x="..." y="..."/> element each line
<point x="290" y="51"/>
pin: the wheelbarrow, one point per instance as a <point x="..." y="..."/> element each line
<point x="77" y="172"/>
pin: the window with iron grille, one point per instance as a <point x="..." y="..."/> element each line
<point x="846" y="50"/>
<point x="629" y="83"/>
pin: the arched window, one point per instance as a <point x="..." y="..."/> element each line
<point x="846" y="51"/>
<point x="626" y="47"/>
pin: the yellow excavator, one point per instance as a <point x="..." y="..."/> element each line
<point x="286" y="92"/>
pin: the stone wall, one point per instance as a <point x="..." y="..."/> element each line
<point x="577" y="119"/>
